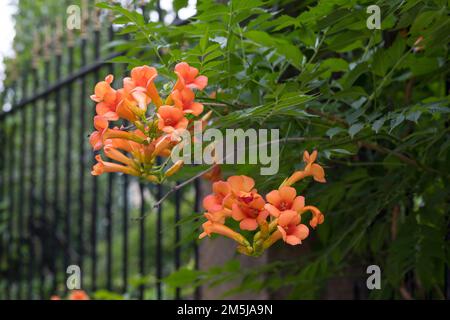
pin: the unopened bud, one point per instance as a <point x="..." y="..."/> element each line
<point x="161" y="145"/>
<point x="207" y="116"/>
<point x="173" y="169"/>
<point x="152" y="178"/>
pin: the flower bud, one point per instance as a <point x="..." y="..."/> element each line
<point x="152" y="178"/>
<point x="173" y="169"/>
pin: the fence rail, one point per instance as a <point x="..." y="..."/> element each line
<point x="53" y="213"/>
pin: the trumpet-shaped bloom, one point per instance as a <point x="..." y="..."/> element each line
<point x="184" y="99"/>
<point x="106" y="98"/>
<point x="116" y="133"/>
<point x="285" y="198"/>
<point x="240" y="185"/>
<point x="96" y="138"/>
<point x="218" y="216"/>
<point x="247" y="206"/>
<point x="118" y="156"/>
<point x="290" y="228"/>
<point x="210" y="227"/>
<point x="104" y="166"/>
<point x="214" y="202"/>
<point x="103" y="91"/>
<point x="317" y="216"/>
<point x="171" y="119"/>
<point x="311" y="169"/>
<point x="187" y="77"/>
<point x="144" y="77"/>
<point x="249" y="215"/>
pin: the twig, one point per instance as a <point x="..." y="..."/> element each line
<point x="214" y="104"/>
<point x="181" y="185"/>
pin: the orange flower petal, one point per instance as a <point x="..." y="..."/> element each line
<point x="287" y="194"/>
<point x="298" y="204"/>
<point x="301" y="232"/>
<point x="288" y="217"/>
<point x="318" y="173"/>
<point x="274" y="197"/>
<point x="211" y="204"/>
<point x="272" y="210"/>
<point x="248" y="224"/>
<point x="237" y="213"/>
<point x="221" y="187"/>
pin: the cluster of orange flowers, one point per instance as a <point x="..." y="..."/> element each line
<point x="74" y="295"/>
<point x="157" y="124"/>
<point x="276" y="217"/>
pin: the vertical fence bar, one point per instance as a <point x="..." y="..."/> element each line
<point x="142" y="239"/>
<point x="3" y="182"/>
<point x="23" y="184"/>
<point x="109" y="204"/>
<point x="447" y="235"/>
<point x="125" y="234"/>
<point x="3" y="176"/>
<point x="82" y="160"/>
<point x="44" y="234"/>
<point x="159" y="213"/>
<point x="177" y="258"/>
<point x="159" y="244"/>
<point x="68" y="165"/>
<point x="33" y="178"/>
<point x="125" y="216"/>
<point x="109" y="239"/>
<point x="95" y="181"/>
<point x="197" y="190"/>
<point x="10" y="239"/>
<point x="56" y="153"/>
<point x="16" y="187"/>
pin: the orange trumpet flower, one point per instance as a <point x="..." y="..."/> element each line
<point x="247" y="206"/>
<point x="210" y="227"/>
<point x="184" y="99"/>
<point x="285" y="198"/>
<point x="171" y="119"/>
<point x="96" y="138"/>
<point x="106" y="98"/>
<point x="214" y="202"/>
<point x="144" y="77"/>
<point x="187" y="77"/>
<point x="311" y="169"/>
<point x="317" y="216"/>
<point x="290" y="228"/>
<point x="103" y="166"/>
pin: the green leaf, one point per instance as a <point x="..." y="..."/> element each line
<point x="384" y="59"/>
<point x="397" y="121"/>
<point x="283" y="47"/>
<point x="182" y="277"/>
<point x="334" y="131"/>
<point x="355" y="128"/>
<point x="376" y="126"/>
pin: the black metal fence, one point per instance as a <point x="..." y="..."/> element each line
<point x="53" y="212"/>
